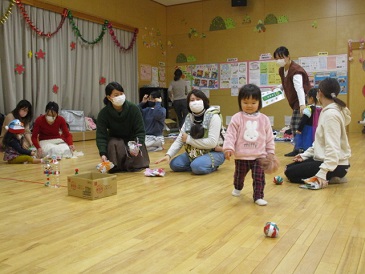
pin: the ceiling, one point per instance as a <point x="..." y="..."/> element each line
<point x="174" y="2"/>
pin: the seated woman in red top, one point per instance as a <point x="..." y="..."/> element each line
<point x="46" y="135"/>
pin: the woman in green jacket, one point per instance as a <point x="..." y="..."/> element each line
<point x="120" y="133"/>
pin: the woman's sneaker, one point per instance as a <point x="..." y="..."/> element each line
<point x="338" y="180"/>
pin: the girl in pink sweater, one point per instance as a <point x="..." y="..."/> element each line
<point x="249" y="138"/>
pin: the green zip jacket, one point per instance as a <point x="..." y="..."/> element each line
<point x="127" y="124"/>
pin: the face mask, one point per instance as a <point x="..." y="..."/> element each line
<point x="50" y="119"/>
<point x="196" y="106"/>
<point x="151" y="104"/>
<point x="281" y="62"/>
<point x="119" y="100"/>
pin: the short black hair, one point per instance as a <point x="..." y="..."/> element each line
<point x="249" y="91"/>
<point x="155" y="94"/>
<point x="52" y="106"/>
<point x="109" y="89"/>
<point x="281" y="52"/>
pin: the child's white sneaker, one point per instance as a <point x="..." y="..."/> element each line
<point x="261" y="202"/>
<point x="236" y="192"/>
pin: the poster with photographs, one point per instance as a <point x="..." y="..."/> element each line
<point x="324" y="66"/>
<point x="233" y="75"/>
<point x="205" y="76"/>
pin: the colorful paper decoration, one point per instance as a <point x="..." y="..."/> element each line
<point x="102" y="81"/>
<point x="40" y="54"/>
<point x="55" y="89"/>
<point x="34" y="28"/>
<point x="117" y="43"/>
<point x="78" y="33"/>
<point x="181" y="58"/>
<point x="73" y="45"/>
<point x="30" y="54"/>
<point x="260" y="27"/>
<point x="19" y="69"/>
<point x="7" y="13"/>
<point x="246" y="19"/>
<point x="270" y="19"/>
<point x="217" y="24"/>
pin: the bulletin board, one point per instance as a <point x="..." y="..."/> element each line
<point x="321" y="67"/>
<point x="264" y="74"/>
<point x="233" y="75"/>
<point x="205" y="76"/>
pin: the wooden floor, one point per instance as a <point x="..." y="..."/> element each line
<point x="180" y="223"/>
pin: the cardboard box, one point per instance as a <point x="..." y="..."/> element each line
<point x="92" y="185"/>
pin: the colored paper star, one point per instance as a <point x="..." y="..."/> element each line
<point x="19" y="69"/>
<point x="102" y="81"/>
<point x="30" y="54"/>
<point x="55" y="89"/>
<point x="73" y="45"/>
<point x="40" y="54"/>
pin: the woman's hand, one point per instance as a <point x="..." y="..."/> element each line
<point x="184" y="137"/>
<point x="298" y="158"/>
<point x="218" y="149"/>
<point x="165" y="158"/>
<point x="104" y="158"/>
<point x="72" y="147"/>
<point x="158" y="99"/>
<point x="39" y="152"/>
<point x="302" y="108"/>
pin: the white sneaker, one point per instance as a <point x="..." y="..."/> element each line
<point x="236" y="192"/>
<point x="261" y="202"/>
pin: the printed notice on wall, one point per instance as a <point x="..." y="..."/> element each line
<point x="233" y="75"/>
<point x="321" y="67"/>
<point x="264" y="73"/>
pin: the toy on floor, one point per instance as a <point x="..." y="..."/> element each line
<point x="158" y="172"/>
<point x="271" y="230"/>
<point x="104" y="167"/>
<point x="278" y="180"/>
<point x="52" y="171"/>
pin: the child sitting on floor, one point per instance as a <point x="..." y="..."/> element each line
<point x="14" y="152"/>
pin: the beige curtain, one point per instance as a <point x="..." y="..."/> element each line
<point x="76" y="72"/>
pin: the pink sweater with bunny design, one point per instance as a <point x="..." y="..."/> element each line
<point x="249" y="136"/>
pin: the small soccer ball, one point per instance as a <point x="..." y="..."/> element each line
<point x="271" y="230"/>
<point x="278" y="180"/>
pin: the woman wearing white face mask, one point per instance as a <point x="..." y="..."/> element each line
<point x="295" y="82"/>
<point x="202" y="155"/>
<point x="46" y="135"/>
<point x="118" y="124"/>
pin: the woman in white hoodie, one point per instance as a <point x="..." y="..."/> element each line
<point x="327" y="160"/>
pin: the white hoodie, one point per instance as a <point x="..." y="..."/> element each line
<point x="331" y="145"/>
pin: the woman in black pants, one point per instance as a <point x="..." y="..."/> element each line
<point x="327" y="160"/>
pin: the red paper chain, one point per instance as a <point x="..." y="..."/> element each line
<point x="116" y="41"/>
<point x="30" y="23"/>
